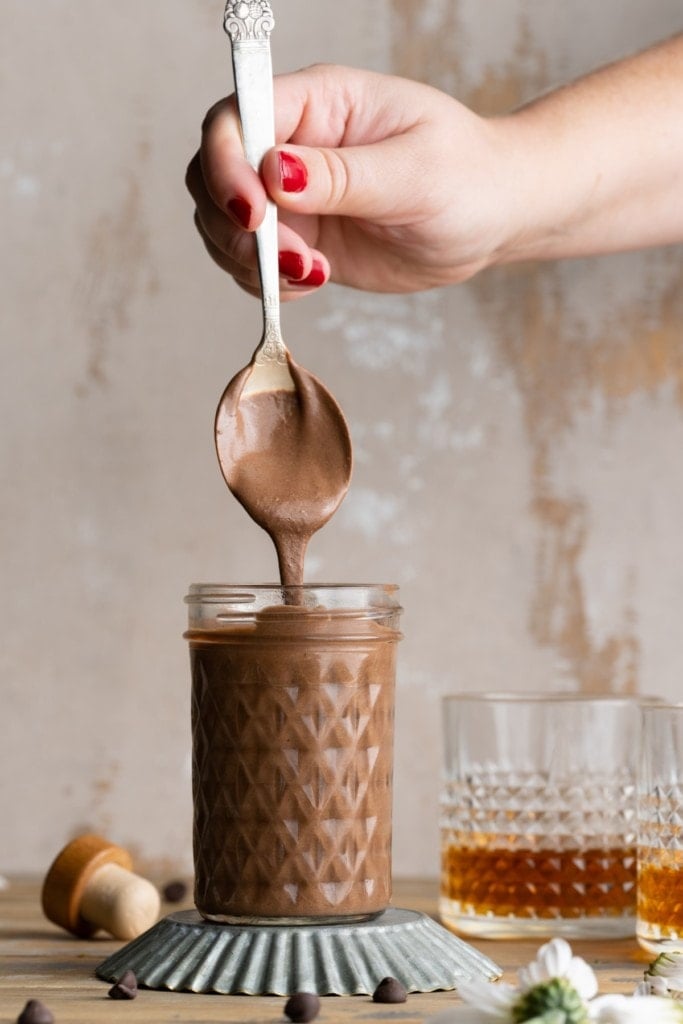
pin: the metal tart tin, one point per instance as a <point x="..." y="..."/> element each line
<point x="185" y="953"/>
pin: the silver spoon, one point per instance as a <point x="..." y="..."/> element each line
<point x="282" y="441"/>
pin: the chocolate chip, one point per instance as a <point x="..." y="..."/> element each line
<point x="125" y="988"/>
<point x="35" y="1012"/>
<point x="302" y="1007"/>
<point x="175" y="891"/>
<point x="390" y="990"/>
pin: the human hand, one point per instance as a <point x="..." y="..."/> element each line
<point x="382" y="184"/>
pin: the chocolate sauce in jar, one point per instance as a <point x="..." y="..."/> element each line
<point x="292" y="713"/>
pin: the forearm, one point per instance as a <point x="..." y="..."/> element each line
<point x="597" y="166"/>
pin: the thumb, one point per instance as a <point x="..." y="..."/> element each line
<point x="375" y="182"/>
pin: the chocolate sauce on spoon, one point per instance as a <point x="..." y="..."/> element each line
<point x="282" y="440"/>
<point x="286" y="455"/>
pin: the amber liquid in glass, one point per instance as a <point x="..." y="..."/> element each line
<point x="540" y="883"/>
<point x="660" y="891"/>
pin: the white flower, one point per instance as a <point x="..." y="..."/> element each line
<point x="652" y="987"/>
<point x="555" y="960"/>
<point x="487" y="1004"/>
<point x="666" y="970"/>
<point x="559" y="988"/>
<point x="553" y="988"/>
<point x="495" y="1000"/>
<point x="635" y="1010"/>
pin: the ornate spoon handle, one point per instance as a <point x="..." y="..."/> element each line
<point x="249" y="24"/>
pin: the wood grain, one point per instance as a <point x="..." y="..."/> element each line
<point x="39" y="961"/>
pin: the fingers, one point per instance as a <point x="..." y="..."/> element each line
<point x="343" y="137"/>
<point x="349" y="182"/>
<point x="332" y="107"/>
<point x="230" y="204"/>
<point x="218" y="225"/>
<point x="347" y="133"/>
<point x="229" y="179"/>
<point x="234" y="249"/>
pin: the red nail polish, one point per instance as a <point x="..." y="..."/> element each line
<point x="315" y="278"/>
<point x="240" y="210"/>
<point x="291" y="264"/>
<point x="293" y="173"/>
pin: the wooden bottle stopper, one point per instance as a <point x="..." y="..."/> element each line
<point x="91" y="886"/>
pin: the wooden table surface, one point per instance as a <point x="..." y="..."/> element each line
<point x="41" y="962"/>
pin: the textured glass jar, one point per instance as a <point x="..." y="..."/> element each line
<point x="292" y="732"/>
<point x="538" y="815"/>
<point x="659" y="926"/>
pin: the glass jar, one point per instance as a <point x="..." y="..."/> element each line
<point x="292" y="732"/>
<point x="538" y="815"/>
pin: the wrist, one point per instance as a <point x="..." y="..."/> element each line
<point x="527" y="182"/>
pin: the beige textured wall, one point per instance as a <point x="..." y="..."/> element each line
<point x="518" y="439"/>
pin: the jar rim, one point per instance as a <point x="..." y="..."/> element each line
<point x="549" y="697"/>
<point x="214" y="606"/>
<point x="218" y="590"/>
<point x="246" y="596"/>
<point x="673" y="705"/>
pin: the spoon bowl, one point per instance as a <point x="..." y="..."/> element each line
<point x="285" y="453"/>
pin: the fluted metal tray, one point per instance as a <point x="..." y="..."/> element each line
<point x="185" y="953"/>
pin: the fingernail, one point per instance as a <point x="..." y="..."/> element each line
<point x="315" y="278"/>
<point x="293" y="173"/>
<point x="291" y="264"/>
<point x="240" y="210"/>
